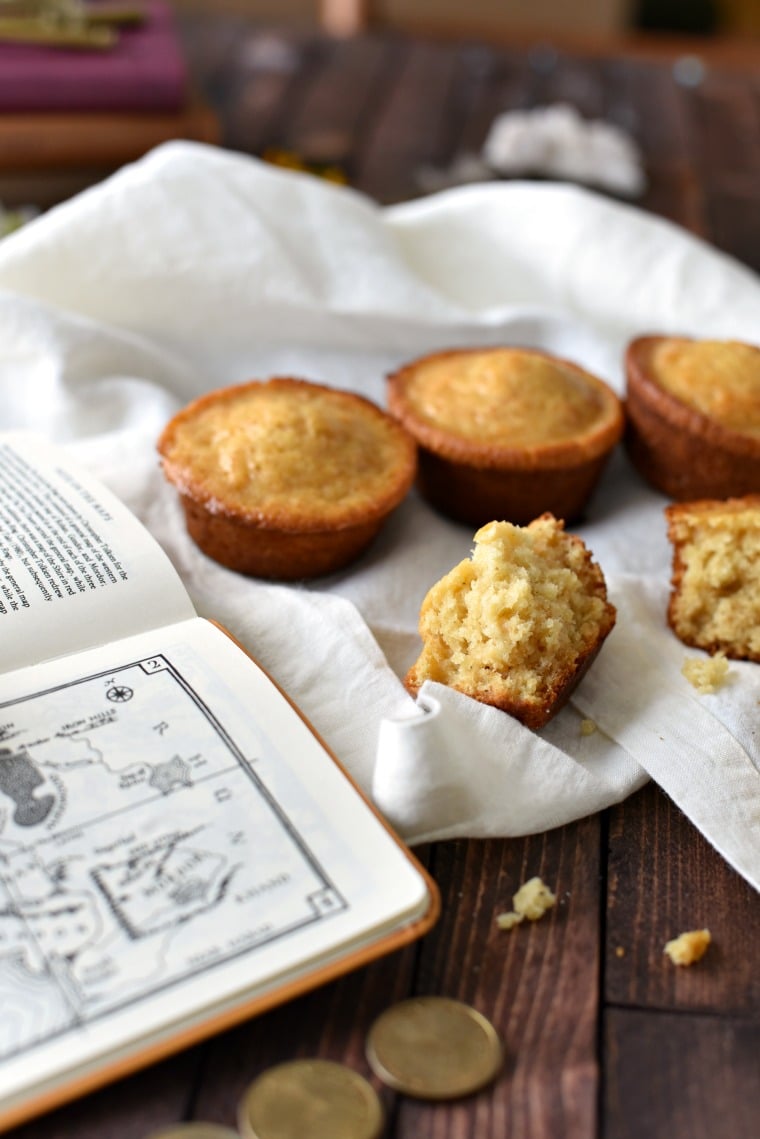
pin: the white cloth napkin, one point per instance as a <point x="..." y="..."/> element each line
<point x="196" y="268"/>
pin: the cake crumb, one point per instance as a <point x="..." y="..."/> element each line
<point x="619" y="951"/>
<point x="588" y="727"/>
<point x="508" y="920"/>
<point x="688" y="947"/>
<point x="531" y="901"/>
<point x="706" y="675"/>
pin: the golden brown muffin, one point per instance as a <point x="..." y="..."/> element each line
<point x="693" y="411"/>
<point x="506" y="432"/>
<point x="518" y="625"/>
<point x="286" y="479"/>
<point x="715" y="597"/>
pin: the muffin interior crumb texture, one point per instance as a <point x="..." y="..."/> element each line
<point x="531" y="902"/>
<point x="715" y="603"/>
<point x="706" y="675"/>
<point x="720" y="379"/>
<point x="509" y="625"/>
<point x="688" y="947"/>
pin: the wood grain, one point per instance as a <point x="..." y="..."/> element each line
<point x="537" y="983"/>
<point x="500" y="81"/>
<point x="725" y="126"/>
<point x="327" y="125"/>
<point x="733" y="221"/>
<point x="679" y="1076"/>
<point x="410" y="125"/>
<point x="664" y="878"/>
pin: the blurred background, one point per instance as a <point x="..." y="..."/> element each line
<point x="729" y="17"/>
<point x="395" y="97"/>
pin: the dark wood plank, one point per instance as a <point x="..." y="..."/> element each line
<point x="410" y="127"/>
<point x="272" y="78"/>
<point x="251" y="76"/>
<point x="501" y="81"/>
<point x="486" y="83"/>
<point x="537" y="983"/>
<point x="678" y="195"/>
<point x="725" y="124"/>
<point x="645" y="100"/>
<point x="328" y="124"/>
<point x="671" y="1075"/>
<point x="664" y="878"/>
<point x="733" y="221"/>
<point x="720" y="123"/>
<point x="574" y="80"/>
<point x="642" y="99"/>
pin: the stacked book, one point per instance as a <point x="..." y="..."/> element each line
<point x="69" y="117"/>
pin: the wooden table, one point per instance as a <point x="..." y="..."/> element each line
<point x="603" y="1036"/>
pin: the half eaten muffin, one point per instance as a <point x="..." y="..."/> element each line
<point x="286" y="479"/>
<point x="693" y="409"/>
<point x="518" y="624"/>
<point x="715" y="598"/>
<point x="506" y="432"/>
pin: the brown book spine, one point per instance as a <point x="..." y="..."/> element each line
<point x="42" y="188"/>
<point x="106" y="139"/>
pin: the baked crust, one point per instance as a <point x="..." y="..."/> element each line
<point x="535" y="715"/>
<point x="677" y="447"/>
<point x="286" y="478"/>
<point x="535" y="437"/>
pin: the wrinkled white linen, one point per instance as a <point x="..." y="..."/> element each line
<point x="196" y="268"/>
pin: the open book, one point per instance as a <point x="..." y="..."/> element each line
<point x="178" y="849"/>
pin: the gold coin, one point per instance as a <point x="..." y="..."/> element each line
<point x="314" y="1098"/>
<point x="194" y="1131"/>
<point x="434" y="1048"/>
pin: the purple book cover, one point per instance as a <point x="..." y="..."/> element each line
<point x="145" y="70"/>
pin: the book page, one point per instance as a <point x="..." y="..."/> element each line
<point x="76" y="567"/>
<point x="173" y="840"/>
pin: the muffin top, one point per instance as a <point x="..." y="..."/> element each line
<point x="505" y="400"/>
<point x="719" y="378"/>
<point x="289" y="452"/>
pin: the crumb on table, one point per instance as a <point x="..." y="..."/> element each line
<point x="531" y="901"/>
<point x="588" y="727"/>
<point x="508" y="920"/>
<point x="706" y="675"/>
<point x="688" y="947"/>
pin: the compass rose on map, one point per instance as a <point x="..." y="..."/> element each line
<point x="119" y="693"/>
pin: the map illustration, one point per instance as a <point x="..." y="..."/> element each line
<point x="138" y="846"/>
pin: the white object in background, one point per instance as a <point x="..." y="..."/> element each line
<point x="558" y="143"/>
